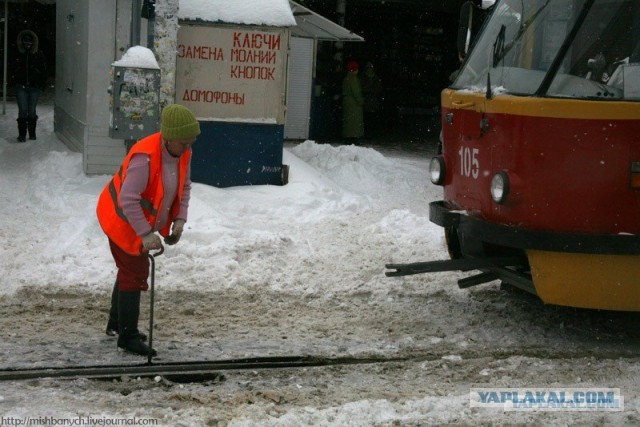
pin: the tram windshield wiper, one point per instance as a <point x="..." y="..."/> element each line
<point x="498" y="46"/>
<point x="500" y="49"/>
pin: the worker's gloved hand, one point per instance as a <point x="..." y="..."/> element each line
<point x="176" y="232"/>
<point x="151" y="242"/>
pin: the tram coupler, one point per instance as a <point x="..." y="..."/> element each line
<point x="460" y="264"/>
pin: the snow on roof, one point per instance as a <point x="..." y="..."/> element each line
<point x="276" y="13"/>
<point x="137" y="57"/>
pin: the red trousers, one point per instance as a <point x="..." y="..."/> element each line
<point x="133" y="270"/>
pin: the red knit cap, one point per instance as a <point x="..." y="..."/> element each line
<point x="352" y="66"/>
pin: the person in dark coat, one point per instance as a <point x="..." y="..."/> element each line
<point x="30" y="77"/>
<point x="352" y="103"/>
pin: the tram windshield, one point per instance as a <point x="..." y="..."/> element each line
<point x="559" y="48"/>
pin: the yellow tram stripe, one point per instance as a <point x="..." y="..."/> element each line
<point x="541" y="107"/>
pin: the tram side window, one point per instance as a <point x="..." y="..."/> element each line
<point x="598" y="56"/>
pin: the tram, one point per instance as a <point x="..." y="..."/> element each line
<point x="540" y="159"/>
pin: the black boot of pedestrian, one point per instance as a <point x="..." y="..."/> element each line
<point x="31" y="127"/>
<point x="22" y="130"/>
<point x="128" y="314"/>
<point x="112" y="325"/>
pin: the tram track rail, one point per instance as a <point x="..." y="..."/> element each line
<point x="185" y="369"/>
<point x="195" y="371"/>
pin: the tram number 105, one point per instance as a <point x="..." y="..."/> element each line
<point x="469" y="163"/>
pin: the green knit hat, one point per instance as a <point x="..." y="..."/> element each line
<point x="178" y="122"/>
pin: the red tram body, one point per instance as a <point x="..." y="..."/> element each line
<point x="541" y="154"/>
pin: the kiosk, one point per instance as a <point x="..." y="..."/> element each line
<point x="233" y="77"/>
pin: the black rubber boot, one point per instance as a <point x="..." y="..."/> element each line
<point x="128" y="314"/>
<point x="22" y="130"/>
<point x="31" y="126"/>
<point x="112" y="325"/>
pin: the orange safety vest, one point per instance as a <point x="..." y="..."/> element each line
<point x="113" y="220"/>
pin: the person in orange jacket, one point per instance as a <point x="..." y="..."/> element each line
<point x="148" y="195"/>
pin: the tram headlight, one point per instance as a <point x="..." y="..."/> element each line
<point x="500" y="187"/>
<point x="437" y="170"/>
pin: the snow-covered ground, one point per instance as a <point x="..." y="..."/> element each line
<point x="292" y="270"/>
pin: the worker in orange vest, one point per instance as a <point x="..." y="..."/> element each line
<point x="148" y="195"/>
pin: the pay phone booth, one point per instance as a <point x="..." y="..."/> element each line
<point x="134" y="98"/>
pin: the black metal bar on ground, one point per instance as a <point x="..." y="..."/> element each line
<point x="184" y="368"/>
<point x="519" y="280"/>
<point x="462" y="264"/>
<point x="477" y="279"/>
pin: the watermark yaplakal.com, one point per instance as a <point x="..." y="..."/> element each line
<point x="547" y="399"/>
